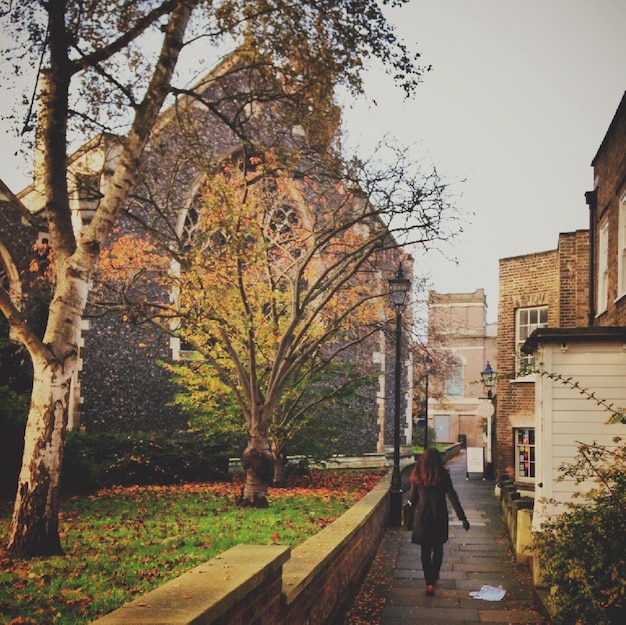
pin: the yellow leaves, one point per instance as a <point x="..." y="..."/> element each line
<point x="42" y="268"/>
<point x="276" y="270"/>
<point x="131" y="262"/>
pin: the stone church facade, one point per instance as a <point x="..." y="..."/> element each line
<point x="120" y="385"/>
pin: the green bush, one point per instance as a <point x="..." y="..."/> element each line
<point x="80" y="473"/>
<point x="582" y="552"/>
<point x="99" y="460"/>
<point x="13" y="414"/>
<point x="418" y="436"/>
<point x="96" y="460"/>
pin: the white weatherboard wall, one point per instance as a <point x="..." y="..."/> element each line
<point x="564" y="417"/>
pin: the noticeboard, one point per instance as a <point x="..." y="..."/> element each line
<point x="475" y="457"/>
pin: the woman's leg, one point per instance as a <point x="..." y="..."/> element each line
<point x="427" y="563"/>
<point x="437" y="560"/>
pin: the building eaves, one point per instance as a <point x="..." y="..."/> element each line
<point x="6" y="195"/>
<point x="592" y="334"/>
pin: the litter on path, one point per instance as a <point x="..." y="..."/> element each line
<point x="489" y="593"/>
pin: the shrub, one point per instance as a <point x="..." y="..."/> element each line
<point x="80" y="473"/>
<point x="583" y="550"/>
<point x="99" y="460"/>
<point x="13" y="414"/>
<point x="418" y="436"/>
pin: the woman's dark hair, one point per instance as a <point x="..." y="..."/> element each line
<point x="429" y="469"/>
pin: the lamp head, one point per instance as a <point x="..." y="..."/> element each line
<point x="399" y="287"/>
<point x="489" y="377"/>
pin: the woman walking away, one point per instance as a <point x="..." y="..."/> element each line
<point x="430" y="483"/>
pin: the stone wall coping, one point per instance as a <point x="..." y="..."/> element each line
<point x="313" y="555"/>
<point x="204" y="592"/>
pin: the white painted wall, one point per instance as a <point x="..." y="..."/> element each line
<point x="564" y="416"/>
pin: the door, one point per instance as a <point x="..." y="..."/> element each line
<point x="442" y="428"/>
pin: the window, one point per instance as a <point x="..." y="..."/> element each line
<point x="621" y="250"/>
<point x="4" y="277"/>
<point x="190" y="224"/>
<point x="454" y="382"/>
<point x="88" y="186"/>
<point x="525" y="454"/>
<point x="85" y="198"/>
<point x="603" y="266"/>
<point x="526" y="321"/>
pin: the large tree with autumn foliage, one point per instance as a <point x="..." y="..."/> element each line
<point x="282" y="281"/>
<point x="111" y="66"/>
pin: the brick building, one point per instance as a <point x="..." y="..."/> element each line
<point x="591" y="355"/>
<point x="545" y="289"/>
<point x="607" y="206"/>
<point x="561" y="339"/>
<point x="461" y="342"/>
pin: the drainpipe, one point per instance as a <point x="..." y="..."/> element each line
<point x="591" y="198"/>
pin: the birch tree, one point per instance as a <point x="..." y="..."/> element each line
<point x="110" y="66"/>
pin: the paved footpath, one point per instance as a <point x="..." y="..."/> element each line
<point x="473" y="559"/>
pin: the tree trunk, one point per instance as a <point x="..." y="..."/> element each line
<point x="34" y="526"/>
<point x="280" y="466"/>
<point x="258" y="463"/>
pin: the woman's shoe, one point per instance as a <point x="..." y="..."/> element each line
<point x="430" y="590"/>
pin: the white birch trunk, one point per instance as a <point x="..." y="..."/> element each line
<point x="34" y="525"/>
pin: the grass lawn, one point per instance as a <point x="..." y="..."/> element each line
<point x="122" y="542"/>
<point x="420" y="449"/>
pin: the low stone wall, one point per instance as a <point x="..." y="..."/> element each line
<point x="452" y="450"/>
<point x="517" y="511"/>
<point x="313" y="583"/>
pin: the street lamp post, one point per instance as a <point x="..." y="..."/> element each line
<point x="490" y="377"/>
<point x="399" y="287"/>
<point x="427" y="364"/>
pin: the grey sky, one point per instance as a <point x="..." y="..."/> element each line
<point x="519" y="98"/>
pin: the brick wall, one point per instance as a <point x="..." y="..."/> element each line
<point x="530" y="280"/>
<point x="610" y="175"/>
<point x="557" y="279"/>
<point x="573" y="252"/>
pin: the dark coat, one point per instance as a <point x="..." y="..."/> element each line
<point x="430" y="520"/>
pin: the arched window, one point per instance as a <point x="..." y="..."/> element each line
<point x="190" y="224"/>
<point x="4" y="277"/>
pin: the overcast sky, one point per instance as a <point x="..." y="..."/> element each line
<point x="518" y="101"/>
<point x="519" y="98"/>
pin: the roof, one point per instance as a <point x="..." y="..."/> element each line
<point x="592" y="334"/>
<point x="621" y="109"/>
